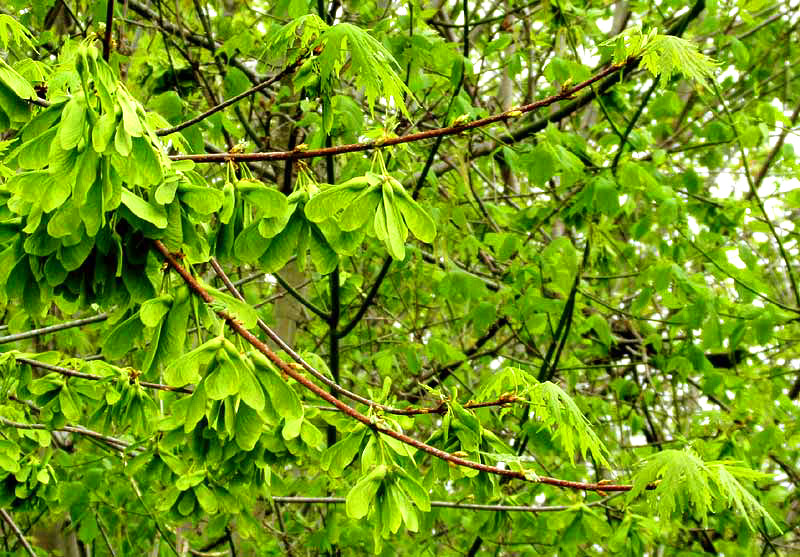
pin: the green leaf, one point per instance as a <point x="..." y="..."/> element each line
<point x="123" y="143"/>
<point x="72" y="257"/>
<point x="396" y="230"/>
<point x="34" y="154"/>
<point x="269" y="201"/>
<point x="73" y="123"/>
<point x="369" y="62"/>
<point x="241" y="311"/>
<point x="208" y="502"/>
<point x="196" y="408"/>
<point x="283" y="246"/>
<point x="9" y="456"/>
<point x="103" y="132"/>
<point x="282" y="397"/>
<point x="204" y="201"/>
<point x="559" y="413"/>
<point x="122" y="337"/>
<point x="414" y="490"/>
<point x="327" y="203"/>
<point x="358" y="211"/>
<point x="362" y="494"/>
<point x="248" y="428"/>
<point x="223" y="379"/>
<point x="606" y="198"/>
<point x="339" y="455"/>
<point x="250" y="390"/>
<point x="148" y="164"/>
<point x="153" y="311"/>
<point x="185" y="369"/>
<point x="154" y="214"/>
<point x="541" y="165"/>
<point x="418" y="221"/>
<point x="65" y="221"/>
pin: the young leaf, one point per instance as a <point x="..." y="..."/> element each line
<point x="185" y="369"/>
<point x="271" y="202"/>
<point x="327" y="203"/>
<point x="154" y="214"/>
<point x="338" y="456"/>
<point x="248" y="428"/>
<point x="362" y="494"/>
<point x="418" y="221"/>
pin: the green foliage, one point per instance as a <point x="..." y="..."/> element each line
<point x="682" y="479"/>
<point x="602" y="298"/>
<point x="663" y="55"/>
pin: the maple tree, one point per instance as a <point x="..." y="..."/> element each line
<point x="402" y="278"/>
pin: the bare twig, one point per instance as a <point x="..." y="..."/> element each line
<point x="54" y="328"/>
<point x="17" y="532"/>
<point x="81" y="375"/>
<point x="109" y="28"/>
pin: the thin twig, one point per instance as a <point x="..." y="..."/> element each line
<point x="118" y="444"/>
<point x="291" y="68"/>
<point x="17" y="532"/>
<point x="440" y="408"/>
<point x="736" y="280"/>
<point x="757" y="198"/>
<point x="54" y="328"/>
<point x="104" y="534"/>
<point x="109" y="28"/>
<point x="81" y="375"/>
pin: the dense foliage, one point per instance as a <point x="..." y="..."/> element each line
<point x="398" y="277"/>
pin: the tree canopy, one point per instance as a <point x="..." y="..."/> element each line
<point x="403" y="278"/>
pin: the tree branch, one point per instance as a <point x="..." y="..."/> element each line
<point x="81" y="375"/>
<point x="109" y="28"/>
<point x="451" y="504"/>
<point x="754" y="194"/>
<point x="54" y="328"/>
<point x="440" y="408"/>
<point x="118" y="444"/>
<point x="296" y="154"/>
<point x="290" y="371"/>
<point x="17" y="532"/>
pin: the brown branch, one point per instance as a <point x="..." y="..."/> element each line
<point x="81" y="375"/>
<point x="566" y="93"/>
<point x="17" y="532"/>
<point x="292" y="372"/>
<point x="109" y="28"/>
<point x="441" y="408"/>
<point x="450" y="504"/>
